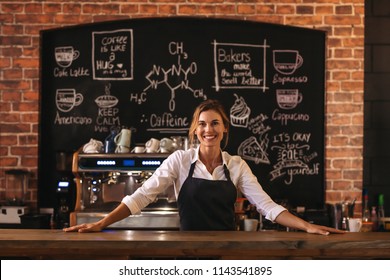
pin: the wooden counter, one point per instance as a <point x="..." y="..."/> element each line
<point x="127" y="244"/>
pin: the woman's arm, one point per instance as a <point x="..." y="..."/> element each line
<point x="287" y="219"/>
<point x="119" y="213"/>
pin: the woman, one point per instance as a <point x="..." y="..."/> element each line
<point x="206" y="182"/>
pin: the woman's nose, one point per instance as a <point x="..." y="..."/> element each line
<point x="208" y="127"/>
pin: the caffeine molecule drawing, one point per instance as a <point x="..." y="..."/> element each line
<point x="174" y="77"/>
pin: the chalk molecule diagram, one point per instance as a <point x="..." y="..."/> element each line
<point x="174" y="78"/>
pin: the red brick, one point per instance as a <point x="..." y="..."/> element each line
<point x="352" y="130"/>
<point x="57" y="8"/>
<point x="344" y="152"/>
<point x="24" y="151"/>
<point x="26" y="106"/>
<point x="148" y="9"/>
<point x="15" y="40"/>
<point x="167" y="9"/>
<point x="33" y="8"/>
<point x="282" y="9"/>
<point x="91" y="9"/>
<point x="129" y="9"/>
<point x="11" y="8"/>
<point x="246" y="9"/>
<point x="12" y="74"/>
<point x="324" y="10"/>
<point x="70" y="8"/>
<point x="12" y="29"/>
<point x="339" y="119"/>
<point x="10" y="118"/>
<point x="8" y="140"/>
<point x="72" y="19"/>
<point x="339" y="141"/>
<point x="6" y="18"/>
<point x="344" y="10"/>
<point x="36" y="19"/>
<point x="30" y="118"/>
<point x="15" y="128"/>
<point x="305" y="9"/>
<point x="188" y="9"/>
<point x="206" y="9"/>
<point x="342" y="185"/>
<point x="9" y="161"/>
<point x="29" y="161"/>
<point x="30" y="96"/>
<point x="352" y="174"/>
<point x="304" y="20"/>
<point x="14" y="84"/>
<point x="343" y="20"/>
<point x="110" y="8"/>
<point x="28" y="140"/>
<point x="26" y="63"/>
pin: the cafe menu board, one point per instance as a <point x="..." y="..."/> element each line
<point x="149" y="74"/>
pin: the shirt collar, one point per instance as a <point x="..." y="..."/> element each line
<point x="196" y="156"/>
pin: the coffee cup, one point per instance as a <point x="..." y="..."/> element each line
<point x="355" y="224"/>
<point x="93" y="147"/>
<point x="166" y="145"/>
<point x="122" y="141"/>
<point x="65" y="55"/>
<point x="138" y="149"/>
<point x="67" y="99"/>
<point x="288" y="98"/>
<point x="287" y="61"/>
<point x="250" y="224"/>
<point x="152" y="146"/>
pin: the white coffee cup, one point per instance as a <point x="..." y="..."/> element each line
<point x="250" y="224"/>
<point x="152" y="146"/>
<point x="93" y="147"/>
<point x="355" y="224"/>
<point x="122" y="141"/>
<point x="166" y="145"/>
<point x="138" y="149"/>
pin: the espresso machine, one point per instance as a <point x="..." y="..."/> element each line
<point x="102" y="180"/>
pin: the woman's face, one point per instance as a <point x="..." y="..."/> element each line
<point x="210" y="129"/>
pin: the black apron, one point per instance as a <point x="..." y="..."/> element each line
<point x="207" y="204"/>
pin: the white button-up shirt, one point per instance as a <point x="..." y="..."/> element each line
<point x="174" y="171"/>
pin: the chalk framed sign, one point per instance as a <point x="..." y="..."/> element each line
<point x="149" y="74"/>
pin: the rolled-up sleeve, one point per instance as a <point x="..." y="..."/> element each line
<point x="161" y="179"/>
<point x="247" y="183"/>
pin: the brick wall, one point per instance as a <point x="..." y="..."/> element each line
<point x="20" y="22"/>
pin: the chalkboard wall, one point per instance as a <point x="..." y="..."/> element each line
<point x="149" y="74"/>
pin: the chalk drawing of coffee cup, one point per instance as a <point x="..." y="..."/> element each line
<point x="288" y="98"/>
<point x="287" y="61"/>
<point x="67" y="99"/>
<point x="65" y="55"/>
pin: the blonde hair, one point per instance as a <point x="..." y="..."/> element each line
<point x="210" y="104"/>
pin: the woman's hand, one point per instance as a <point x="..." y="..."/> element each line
<point x="318" y="229"/>
<point x="119" y="213"/>
<point x="92" y="227"/>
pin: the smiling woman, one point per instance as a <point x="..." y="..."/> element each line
<point x="207" y="182"/>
